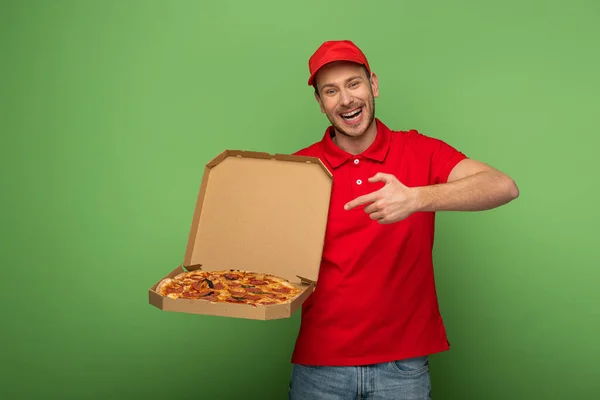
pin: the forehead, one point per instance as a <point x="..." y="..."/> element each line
<point x="338" y="72"/>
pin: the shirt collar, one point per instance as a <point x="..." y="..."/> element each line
<point x="376" y="152"/>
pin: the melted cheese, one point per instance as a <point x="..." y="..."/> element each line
<point x="189" y="279"/>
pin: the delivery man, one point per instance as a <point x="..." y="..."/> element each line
<point x="371" y="323"/>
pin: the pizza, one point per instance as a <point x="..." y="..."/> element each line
<point x="229" y="286"/>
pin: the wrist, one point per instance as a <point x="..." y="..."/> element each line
<point x="419" y="199"/>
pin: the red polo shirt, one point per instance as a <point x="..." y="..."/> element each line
<point x="375" y="299"/>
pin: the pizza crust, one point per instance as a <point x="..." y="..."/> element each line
<point x="181" y="275"/>
<point x="160" y="289"/>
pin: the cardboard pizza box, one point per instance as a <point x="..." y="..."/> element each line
<point x="261" y="213"/>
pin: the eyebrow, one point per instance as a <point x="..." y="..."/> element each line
<point x="347" y="80"/>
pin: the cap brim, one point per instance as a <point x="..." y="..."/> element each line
<point x="311" y="79"/>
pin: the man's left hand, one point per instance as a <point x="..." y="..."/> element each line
<point x="392" y="203"/>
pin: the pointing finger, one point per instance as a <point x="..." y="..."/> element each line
<point x="367" y="198"/>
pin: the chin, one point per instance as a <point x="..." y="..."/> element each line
<point x="354" y="128"/>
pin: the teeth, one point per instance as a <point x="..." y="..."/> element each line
<point x="352" y="114"/>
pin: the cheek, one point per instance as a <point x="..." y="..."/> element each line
<point x="330" y="107"/>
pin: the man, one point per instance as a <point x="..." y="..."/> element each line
<point x="371" y="323"/>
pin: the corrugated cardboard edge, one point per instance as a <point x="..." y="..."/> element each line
<point x="258" y="154"/>
<point x="238" y="153"/>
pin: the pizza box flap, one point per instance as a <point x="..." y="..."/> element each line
<point x="262" y="213"/>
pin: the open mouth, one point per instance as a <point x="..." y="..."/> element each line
<point x="353" y="115"/>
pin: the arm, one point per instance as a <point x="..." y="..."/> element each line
<point x="472" y="186"/>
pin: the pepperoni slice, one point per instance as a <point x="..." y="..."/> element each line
<point x="174" y="289"/>
<point x="234" y="300"/>
<point x="255" y="290"/>
<point x="219" y="286"/>
<point x="203" y="284"/>
<point x="232" y="277"/>
<point x="258" y="282"/>
<point x="282" y="290"/>
<point x="252" y="297"/>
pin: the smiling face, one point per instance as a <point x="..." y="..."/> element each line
<point x="346" y="94"/>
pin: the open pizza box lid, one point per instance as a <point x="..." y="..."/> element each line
<point x="261" y="213"/>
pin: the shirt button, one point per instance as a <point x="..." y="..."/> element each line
<point x="359" y="182"/>
<point x="356" y="161"/>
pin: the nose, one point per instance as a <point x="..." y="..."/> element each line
<point x="346" y="98"/>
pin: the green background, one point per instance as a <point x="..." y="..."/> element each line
<point x="110" y="109"/>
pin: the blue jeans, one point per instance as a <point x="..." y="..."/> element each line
<point x="397" y="380"/>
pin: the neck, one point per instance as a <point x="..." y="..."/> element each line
<point x="356" y="145"/>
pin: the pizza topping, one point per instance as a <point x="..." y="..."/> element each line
<point x="174" y="289"/>
<point x="233" y="286"/>
<point x="255" y="290"/>
<point x="235" y="299"/>
<point x="277" y="296"/>
<point x="204" y="284"/>
<point x="258" y="282"/>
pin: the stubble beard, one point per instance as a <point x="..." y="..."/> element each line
<point x="340" y="129"/>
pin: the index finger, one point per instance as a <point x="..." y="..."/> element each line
<point x="364" y="199"/>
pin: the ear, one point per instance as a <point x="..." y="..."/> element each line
<point x="375" y="84"/>
<point x="318" y="98"/>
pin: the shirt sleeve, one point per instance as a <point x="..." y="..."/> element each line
<point x="442" y="156"/>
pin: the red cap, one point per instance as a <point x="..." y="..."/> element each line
<point x="335" y="50"/>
